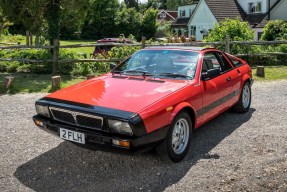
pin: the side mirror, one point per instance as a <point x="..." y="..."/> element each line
<point x="211" y="73"/>
<point x="112" y="66"/>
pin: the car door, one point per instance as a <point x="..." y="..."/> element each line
<point x="215" y="91"/>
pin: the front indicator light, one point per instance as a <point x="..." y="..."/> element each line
<point x="39" y="123"/>
<point x="120" y="127"/>
<point x="121" y="143"/>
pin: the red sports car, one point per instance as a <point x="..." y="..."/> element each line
<point x="155" y="98"/>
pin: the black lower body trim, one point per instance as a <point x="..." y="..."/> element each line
<point x="216" y="103"/>
<point x="100" y="138"/>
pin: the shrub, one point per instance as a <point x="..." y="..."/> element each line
<point x="122" y="52"/>
<point x="25" y="68"/>
<point x="3" y="66"/>
<point x="12" y="67"/>
<point x="237" y="30"/>
<point x="275" y="30"/>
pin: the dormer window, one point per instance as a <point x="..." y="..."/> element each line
<point x="182" y="13"/>
<point x="162" y="15"/>
<point x="255" y="7"/>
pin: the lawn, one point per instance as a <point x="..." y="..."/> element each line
<point x="29" y="83"/>
<point x="86" y="50"/>
<point x="272" y="73"/>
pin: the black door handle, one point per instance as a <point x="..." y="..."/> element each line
<point x="228" y="79"/>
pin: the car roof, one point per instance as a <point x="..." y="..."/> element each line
<point x="191" y="48"/>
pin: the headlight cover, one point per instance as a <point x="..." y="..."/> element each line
<point x="42" y="110"/>
<point x="120" y="127"/>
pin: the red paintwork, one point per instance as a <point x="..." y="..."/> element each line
<point x="151" y="100"/>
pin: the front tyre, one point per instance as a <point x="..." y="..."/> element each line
<point x="243" y="105"/>
<point x="176" y="144"/>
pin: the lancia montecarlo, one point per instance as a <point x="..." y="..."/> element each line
<point x="154" y="99"/>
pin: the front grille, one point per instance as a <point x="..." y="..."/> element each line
<point x="77" y="118"/>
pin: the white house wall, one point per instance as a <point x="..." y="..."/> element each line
<point x="203" y="19"/>
<point x="280" y="11"/>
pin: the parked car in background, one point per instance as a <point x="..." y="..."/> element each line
<point x="103" y="49"/>
<point x="154" y="99"/>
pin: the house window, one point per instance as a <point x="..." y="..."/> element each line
<point x="255" y="7"/>
<point x="162" y="15"/>
<point x="189" y="12"/>
<point x="183" y="13"/>
<point x="192" y="30"/>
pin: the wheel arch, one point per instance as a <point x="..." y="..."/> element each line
<point x="184" y="107"/>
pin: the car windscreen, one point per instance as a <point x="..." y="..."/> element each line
<point x="161" y="64"/>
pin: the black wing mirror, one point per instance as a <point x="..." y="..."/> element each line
<point x="211" y="73"/>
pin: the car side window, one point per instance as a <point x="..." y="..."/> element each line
<point x="210" y="61"/>
<point x="224" y="63"/>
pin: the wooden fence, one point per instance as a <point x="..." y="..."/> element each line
<point x="56" y="47"/>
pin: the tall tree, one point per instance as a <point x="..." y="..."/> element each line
<point x="100" y="20"/>
<point x="35" y="15"/>
<point x="149" y="25"/>
<point x="173" y="4"/>
<point x="132" y="4"/>
<point x="128" y="21"/>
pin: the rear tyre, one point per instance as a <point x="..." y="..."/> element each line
<point x="244" y="102"/>
<point x="176" y="144"/>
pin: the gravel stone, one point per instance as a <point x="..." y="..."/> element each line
<point x="233" y="152"/>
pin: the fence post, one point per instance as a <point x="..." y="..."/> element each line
<point x="56" y="83"/>
<point x="260" y="72"/>
<point x="227" y="44"/>
<point x="143" y="42"/>
<point x="8" y="82"/>
<point x="55" y="56"/>
<point x="27" y="37"/>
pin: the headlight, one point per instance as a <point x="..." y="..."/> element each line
<point x="120" y="127"/>
<point x="42" y="110"/>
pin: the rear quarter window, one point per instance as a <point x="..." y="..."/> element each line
<point x="235" y="61"/>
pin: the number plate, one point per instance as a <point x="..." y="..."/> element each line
<point x="72" y="136"/>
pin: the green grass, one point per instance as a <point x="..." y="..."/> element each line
<point x="272" y="73"/>
<point x="86" y="50"/>
<point x="30" y="83"/>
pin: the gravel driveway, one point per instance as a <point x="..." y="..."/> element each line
<point x="234" y="152"/>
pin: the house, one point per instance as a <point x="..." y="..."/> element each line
<point x="184" y="13"/>
<point x="255" y="12"/>
<point x="166" y="15"/>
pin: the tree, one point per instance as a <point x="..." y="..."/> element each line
<point x="72" y="19"/>
<point x="132" y="4"/>
<point x="128" y="21"/>
<point x="237" y="30"/>
<point x="35" y="15"/>
<point x="4" y="23"/>
<point x="275" y="30"/>
<point x="100" y="20"/>
<point x="149" y="25"/>
<point x="29" y="13"/>
<point x="173" y="4"/>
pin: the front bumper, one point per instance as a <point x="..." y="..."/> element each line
<point x="94" y="137"/>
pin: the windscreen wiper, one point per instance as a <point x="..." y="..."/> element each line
<point x="174" y="75"/>
<point x="144" y="73"/>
